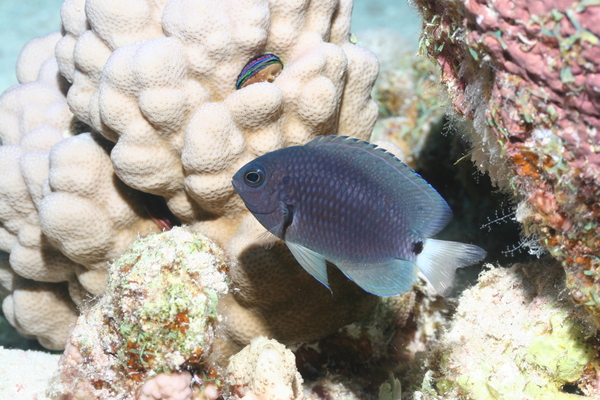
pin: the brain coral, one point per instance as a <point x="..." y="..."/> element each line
<point x="145" y="100"/>
<point x="527" y="75"/>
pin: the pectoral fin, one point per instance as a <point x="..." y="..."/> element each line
<point x="286" y="216"/>
<point x="313" y="262"/>
<point x="267" y="239"/>
<point x="386" y="278"/>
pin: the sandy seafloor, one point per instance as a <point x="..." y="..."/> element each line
<point x="24" y="374"/>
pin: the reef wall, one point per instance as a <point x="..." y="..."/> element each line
<point x="524" y="78"/>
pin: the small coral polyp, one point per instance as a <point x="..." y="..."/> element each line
<point x="526" y="74"/>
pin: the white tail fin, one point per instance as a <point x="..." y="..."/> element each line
<point x="439" y="259"/>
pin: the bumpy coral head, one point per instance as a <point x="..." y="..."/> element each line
<point x="178" y="94"/>
<point x="192" y="90"/>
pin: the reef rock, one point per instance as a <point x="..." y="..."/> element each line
<point x="264" y="370"/>
<point x="525" y="74"/>
<point x="156" y="324"/>
<point x="515" y="335"/>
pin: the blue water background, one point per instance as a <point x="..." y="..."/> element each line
<point x="22" y="20"/>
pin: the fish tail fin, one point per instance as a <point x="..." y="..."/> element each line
<point x="440" y="258"/>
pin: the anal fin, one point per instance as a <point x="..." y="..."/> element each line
<point x="387" y="278"/>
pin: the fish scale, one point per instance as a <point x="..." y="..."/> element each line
<point x="333" y="223"/>
<point x="351" y="203"/>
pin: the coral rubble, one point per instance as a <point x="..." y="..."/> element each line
<point x="526" y="75"/>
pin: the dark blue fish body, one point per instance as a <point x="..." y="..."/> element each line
<point x="355" y="205"/>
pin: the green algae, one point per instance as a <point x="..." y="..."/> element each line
<point x="166" y="300"/>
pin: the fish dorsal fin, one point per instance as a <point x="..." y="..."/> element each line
<point x="427" y="210"/>
<point x="313" y="262"/>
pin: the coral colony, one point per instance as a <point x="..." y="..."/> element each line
<point x="134" y="119"/>
<point x="156" y="84"/>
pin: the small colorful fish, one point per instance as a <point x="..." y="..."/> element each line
<point x="357" y="206"/>
<point x="264" y="68"/>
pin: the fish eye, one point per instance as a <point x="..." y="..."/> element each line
<point x="254" y="177"/>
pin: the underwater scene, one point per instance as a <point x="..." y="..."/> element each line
<point x="296" y="199"/>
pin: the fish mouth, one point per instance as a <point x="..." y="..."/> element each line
<point x="238" y="186"/>
<point x="235" y="186"/>
<point x="251" y="208"/>
<point x="255" y="210"/>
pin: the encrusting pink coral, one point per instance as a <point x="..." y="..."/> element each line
<point x="526" y="74"/>
<point x="174" y="386"/>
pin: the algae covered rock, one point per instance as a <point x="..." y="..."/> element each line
<point x="159" y="315"/>
<point x="524" y="76"/>
<point x="516" y="334"/>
